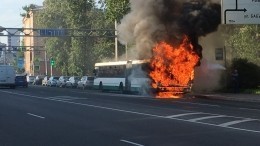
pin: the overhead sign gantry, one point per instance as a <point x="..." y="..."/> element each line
<point x="240" y="11"/>
<point x="56" y="32"/>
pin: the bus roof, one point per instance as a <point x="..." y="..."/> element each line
<point x="120" y="62"/>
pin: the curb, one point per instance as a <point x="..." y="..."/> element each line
<point x="229" y="98"/>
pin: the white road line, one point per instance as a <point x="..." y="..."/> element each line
<point x="119" y="95"/>
<point x="235" y="122"/>
<point x="66" y="98"/>
<point x="180" y="115"/>
<point x="36" y="115"/>
<point x="251" y="109"/>
<point x="133" y="143"/>
<point x="203" y="104"/>
<point x="204" y="118"/>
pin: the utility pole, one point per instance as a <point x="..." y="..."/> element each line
<point x="5" y="56"/>
<point x="46" y="64"/>
<point x="126" y="49"/>
<point x="116" y="49"/>
<point x="51" y="70"/>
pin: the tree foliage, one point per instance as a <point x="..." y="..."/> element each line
<point x="115" y="10"/>
<point x="75" y="55"/>
<point x="245" y="43"/>
<point x="27" y="8"/>
<point x="249" y="73"/>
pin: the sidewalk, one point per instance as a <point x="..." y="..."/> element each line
<point x="229" y="96"/>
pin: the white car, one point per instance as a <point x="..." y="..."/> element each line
<point x="52" y="81"/>
<point x="62" y="81"/>
<point x="72" y="82"/>
<point x="86" y="82"/>
<point x="45" y="81"/>
<point x="30" y="79"/>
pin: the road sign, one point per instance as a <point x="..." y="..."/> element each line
<point x="20" y="63"/>
<point x="241" y="11"/>
<point x="51" y="32"/>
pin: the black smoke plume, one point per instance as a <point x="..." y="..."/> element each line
<point x="153" y="21"/>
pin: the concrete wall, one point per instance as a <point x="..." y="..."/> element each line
<point x="209" y="75"/>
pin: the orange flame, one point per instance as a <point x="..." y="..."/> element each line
<point x="172" y="68"/>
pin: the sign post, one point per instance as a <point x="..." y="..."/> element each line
<point x="52" y="62"/>
<point x="240" y="11"/>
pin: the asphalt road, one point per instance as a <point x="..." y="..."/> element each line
<point x="50" y="116"/>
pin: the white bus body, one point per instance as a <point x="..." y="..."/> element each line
<point x="122" y="76"/>
<point x="7" y="76"/>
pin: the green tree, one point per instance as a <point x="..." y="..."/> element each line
<point x="115" y="10"/>
<point x="76" y="55"/>
<point x="245" y="43"/>
<point x="53" y="16"/>
<point x="249" y="73"/>
<point x="27" y="8"/>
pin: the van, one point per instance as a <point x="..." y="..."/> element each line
<point x="7" y="76"/>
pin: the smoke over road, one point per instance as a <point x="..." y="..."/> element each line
<point x="153" y="21"/>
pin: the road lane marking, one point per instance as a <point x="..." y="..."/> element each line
<point x="202" y="104"/>
<point x="235" y="122"/>
<point x="66" y="98"/>
<point x="251" y="109"/>
<point x="186" y="114"/>
<point x="36" y="115"/>
<point x="118" y="95"/>
<point x="146" y="98"/>
<point x="140" y="113"/>
<point x="204" y="118"/>
<point x="129" y="142"/>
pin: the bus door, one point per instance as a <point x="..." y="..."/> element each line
<point x="128" y="73"/>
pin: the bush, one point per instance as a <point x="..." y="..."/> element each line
<point x="249" y="73"/>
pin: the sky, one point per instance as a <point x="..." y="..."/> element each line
<point x="10" y="13"/>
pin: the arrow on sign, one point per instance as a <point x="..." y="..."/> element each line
<point x="229" y="10"/>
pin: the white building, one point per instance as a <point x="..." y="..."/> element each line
<point x="13" y="41"/>
<point x="2" y="53"/>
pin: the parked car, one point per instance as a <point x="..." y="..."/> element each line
<point x="52" y="81"/>
<point x="73" y="82"/>
<point x="21" y="81"/>
<point x="86" y="82"/>
<point x="30" y="79"/>
<point x="45" y="80"/>
<point x="62" y="81"/>
<point x="38" y="80"/>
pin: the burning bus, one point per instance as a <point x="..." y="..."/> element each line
<point x="142" y="77"/>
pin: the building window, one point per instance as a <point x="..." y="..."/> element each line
<point x="219" y="54"/>
<point x="36" y="68"/>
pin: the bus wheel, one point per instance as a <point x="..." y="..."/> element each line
<point x="100" y="87"/>
<point x="121" y="86"/>
<point x="143" y="91"/>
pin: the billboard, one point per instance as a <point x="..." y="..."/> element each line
<point x="240" y="11"/>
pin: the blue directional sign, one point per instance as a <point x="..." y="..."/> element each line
<point x="20" y="63"/>
<point x="51" y="32"/>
